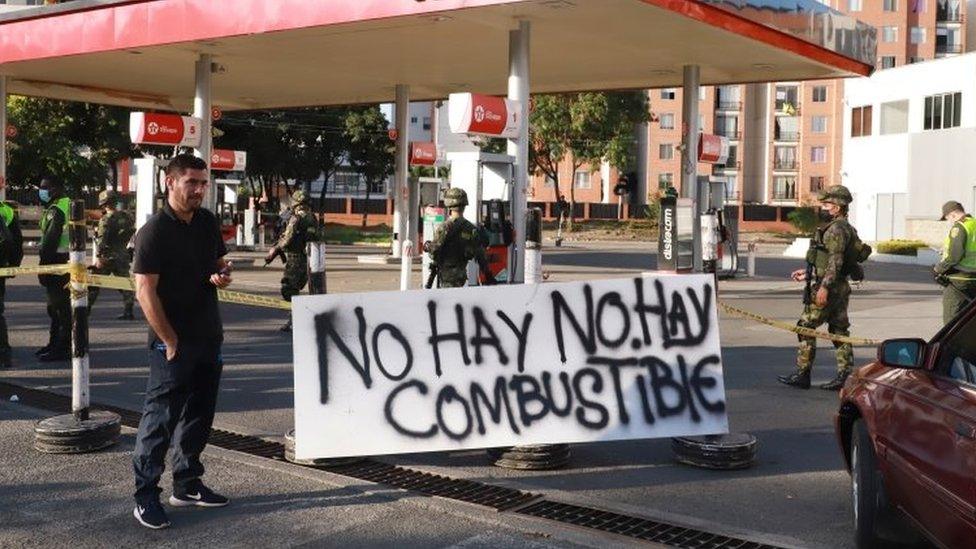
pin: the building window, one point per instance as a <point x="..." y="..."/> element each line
<point x="581" y="180"/>
<point x="887" y="62"/>
<point x="855" y="5"/>
<point x="667" y="121"/>
<point x="818" y="124"/>
<point x="861" y="121"/>
<point x="727" y="126"/>
<point x="894" y="117"/>
<point x="668" y="94"/>
<point x="549" y="183"/>
<point x="817" y="183"/>
<point x="427" y="123"/>
<point x="943" y="111"/>
<point x="818" y="155"/>
<point x="787" y="128"/>
<point x="413" y="119"/>
<point x="912" y="60"/>
<point x="784" y="158"/>
<point x="948" y="11"/>
<point x="665" y="151"/>
<point x="665" y="180"/>
<point x="819" y="94"/>
<point x="787" y="100"/>
<point x="918" y="35"/>
<point x="731" y="187"/>
<point x="918" y="6"/>
<point x="889" y="33"/>
<point x="948" y="40"/>
<point x="891" y="5"/>
<point x="784" y="188"/>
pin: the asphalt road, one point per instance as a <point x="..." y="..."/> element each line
<point x="797" y="494"/>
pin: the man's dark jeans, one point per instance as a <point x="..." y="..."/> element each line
<point x="180" y="399"/>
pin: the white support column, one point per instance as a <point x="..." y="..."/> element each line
<point x="689" y="151"/>
<point x="518" y="90"/>
<point x="201" y="109"/>
<point x="3" y="137"/>
<point x="401" y="199"/>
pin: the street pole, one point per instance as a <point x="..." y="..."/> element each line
<point x="3" y="137"/>
<point x="518" y="90"/>
<point x="401" y="202"/>
<point x="202" y="109"/>
<point x="689" y="153"/>
<point x="83" y="430"/>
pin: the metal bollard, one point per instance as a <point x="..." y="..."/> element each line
<point x="316" y="268"/>
<point x="406" y="265"/>
<point x="751" y="261"/>
<point x="83" y="430"/>
<point x="533" y="246"/>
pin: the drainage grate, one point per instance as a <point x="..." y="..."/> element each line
<point x="634" y="527"/>
<point x="495" y="497"/>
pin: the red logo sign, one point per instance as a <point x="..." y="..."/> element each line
<point x="423" y="154"/>
<point x="11" y="131"/>
<point x="473" y="113"/>
<point x="216" y="114"/>
<point x="226" y="160"/>
<point x="164" y="129"/>
<point x="392" y="134"/>
<point x="713" y="149"/>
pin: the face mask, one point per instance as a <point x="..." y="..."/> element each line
<point x="825" y="216"/>
<point x="45" y="195"/>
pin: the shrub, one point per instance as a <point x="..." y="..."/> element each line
<point x="804" y="219"/>
<point x="900" y="247"/>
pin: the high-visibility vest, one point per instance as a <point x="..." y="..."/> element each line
<point x="6" y="213"/>
<point x="63" y="204"/>
<point x="969" y="260"/>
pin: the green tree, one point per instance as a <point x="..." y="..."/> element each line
<point x="584" y="129"/>
<point x="371" y="151"/>
<point x="77" y="142"/>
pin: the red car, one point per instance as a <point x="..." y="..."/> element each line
<point x="907" y="427"/>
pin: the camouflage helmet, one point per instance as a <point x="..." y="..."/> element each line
<point x="107" y="196"/>
<point x="455" y="198"/>
<point x="299" y="197"/>
<point x="836" y="194"/>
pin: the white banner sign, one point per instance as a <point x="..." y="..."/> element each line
<point x="433" y="370"/>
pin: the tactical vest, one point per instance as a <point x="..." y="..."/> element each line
<point x="969" y="260"/>
<point x="855" y="253"/>
<point x="63" y="204"/>
<point x="305" y="232"/>
<point x="6" y="238"/>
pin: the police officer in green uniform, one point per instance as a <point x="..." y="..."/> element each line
<point x="456" y="242"/>
<point x="54" y="251"/>
<point x="113" y="233"/>
<point x="301" y="229"/>
<point x="835" y="252"/>
<point x="11" y="254"/>
<point x="957" y="270"/>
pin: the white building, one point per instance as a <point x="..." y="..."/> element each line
<point x="909" y="146"/>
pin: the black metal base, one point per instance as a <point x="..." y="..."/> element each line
<point x="321" y="462"/>
<point x="723" y="452"/>
<point x="66" y="434"/>
<point x="536" y="457"/>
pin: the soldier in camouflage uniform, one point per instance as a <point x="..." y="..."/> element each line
<point x="830" y="262"/>
<point x="113" y="233"/>
<point x="456" y="242"/>
<point x="301" y="229"/>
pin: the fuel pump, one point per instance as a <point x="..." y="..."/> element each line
<point x="500" y="234"/>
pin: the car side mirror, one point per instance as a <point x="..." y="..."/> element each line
<point x="902" y="353"/>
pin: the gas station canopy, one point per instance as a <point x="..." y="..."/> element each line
<point x="284" y="53"/>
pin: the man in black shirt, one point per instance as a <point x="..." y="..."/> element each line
<point x="178" y="267"/>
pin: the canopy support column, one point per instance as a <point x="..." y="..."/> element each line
<point x="689" y="151"/>
<point x="402" y="217"/>
<point x="3" y="137"/>
<point x="518" y="90"/>
<point x="201" y="110"/>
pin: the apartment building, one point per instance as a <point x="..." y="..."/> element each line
<point x="786" y="138"/>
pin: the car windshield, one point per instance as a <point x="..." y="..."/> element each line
<point x="958" y="359"/>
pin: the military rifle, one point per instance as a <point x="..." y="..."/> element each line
<point x="278" y="253"/>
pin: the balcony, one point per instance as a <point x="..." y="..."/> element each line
<point x="787" y="108"/>
<point x="948" y="48"/>
<point x="786" y="164"/>
<point x="733" y="135"/>
<point x="730" y="165"/>
<point x="728" y="105"/>
<point x="786" y="137"/>
<point x="787" y="193"/>
<point x="948" y="16"/>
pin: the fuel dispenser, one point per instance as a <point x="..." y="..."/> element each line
<point x="150" y="187"/>
<point x="676" y="239"/>
<point x="488" y="180"/>
<point x="719" y="237"/>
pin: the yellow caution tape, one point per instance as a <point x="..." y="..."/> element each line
<point x="43" y="269"/>
<point x="227" y="296"/>
<point x="798" y="329"/>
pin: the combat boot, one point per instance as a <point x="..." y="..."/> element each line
<point x="126" y="315"/>
<point x="43" y="350"/>
<point x="799" y="379"/>
<point x="836" y="383"/>
<point x="287" y="327"/>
